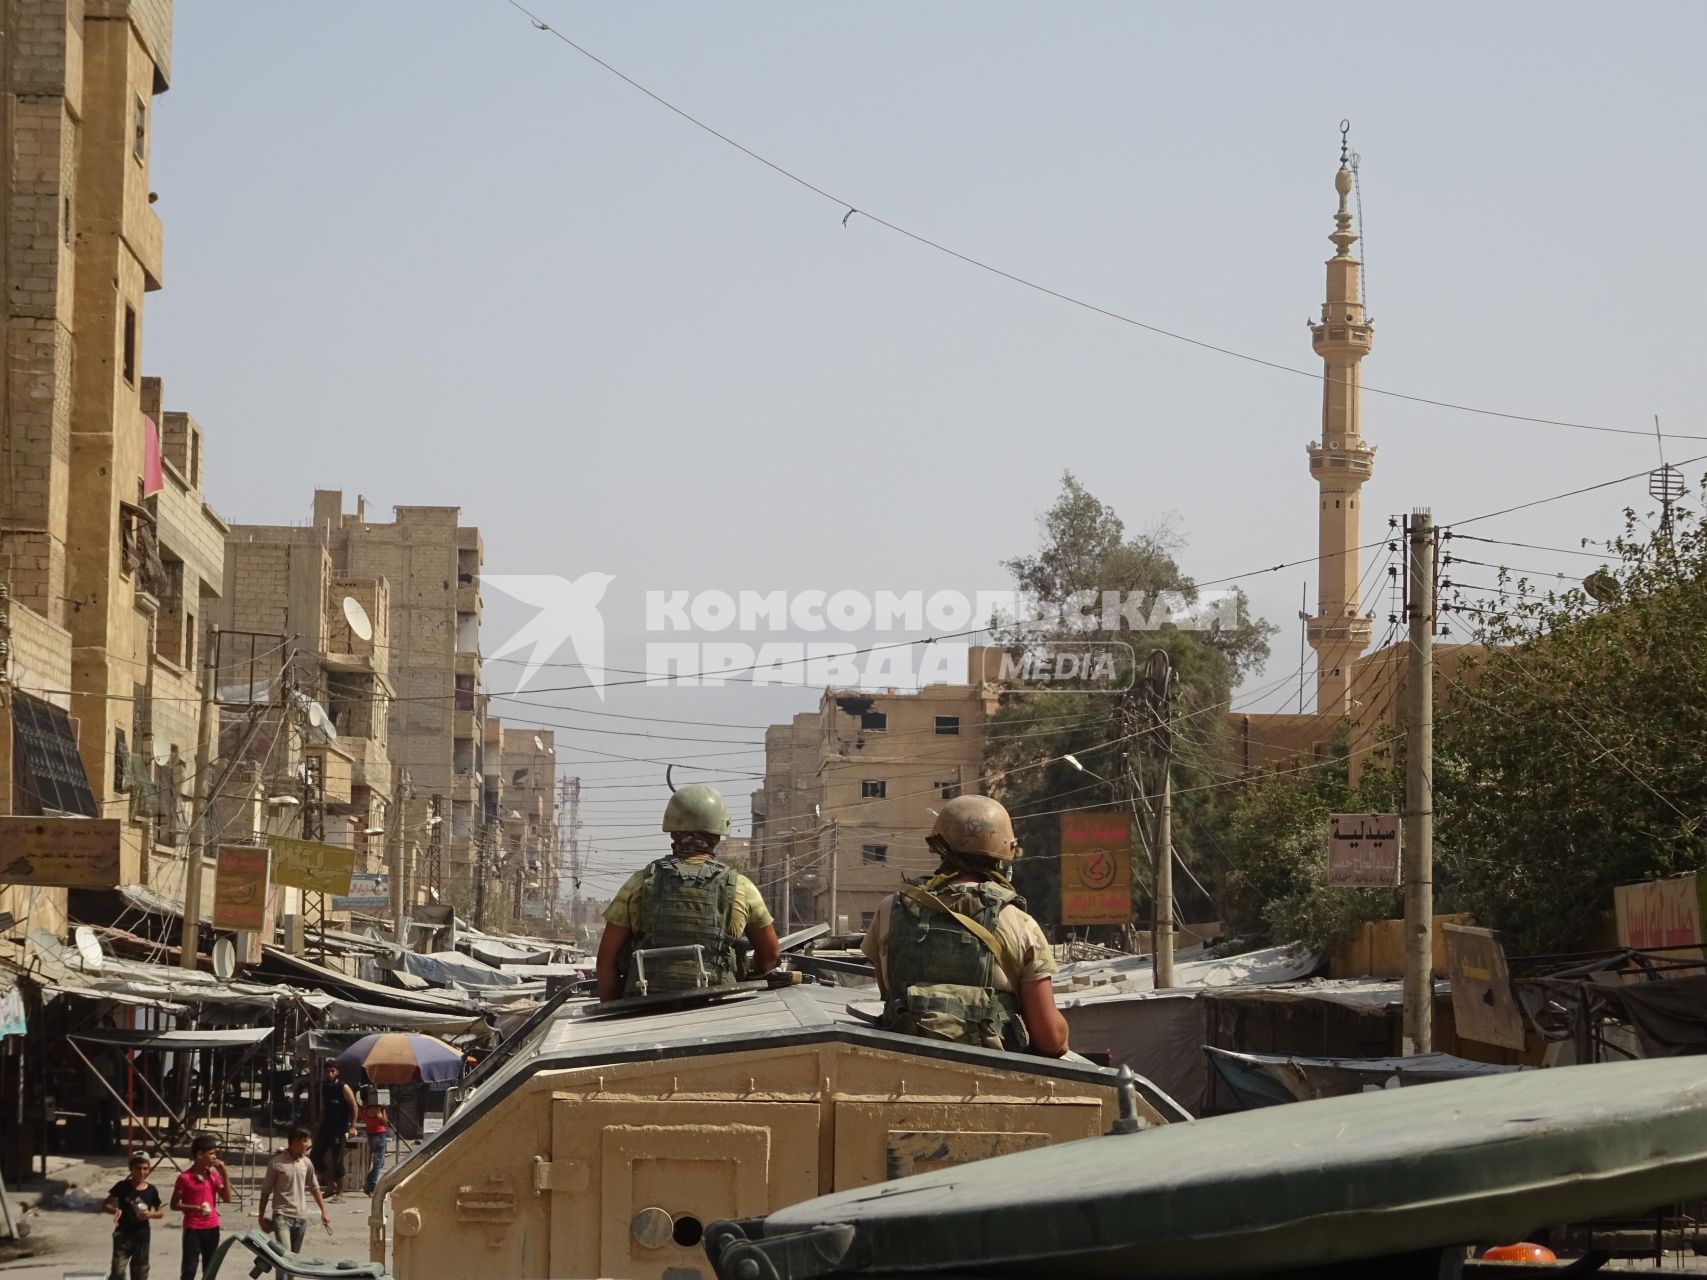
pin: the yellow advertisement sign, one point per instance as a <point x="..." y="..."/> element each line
<point x="305" y="864"/>
<point x="1096" y="867"/>
<point x="240" y="888"/>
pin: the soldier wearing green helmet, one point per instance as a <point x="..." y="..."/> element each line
<point x="686" y="899"/>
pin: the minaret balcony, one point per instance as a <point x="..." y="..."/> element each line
<point x="1332" y="461"/>
<point x="1356" y="632"/>
<point x="1340" y="339"/>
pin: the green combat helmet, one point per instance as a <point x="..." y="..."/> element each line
<point x="697" y="808"/>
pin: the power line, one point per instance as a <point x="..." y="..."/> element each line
<point x="852" y="208"/>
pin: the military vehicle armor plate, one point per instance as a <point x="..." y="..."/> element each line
<point x="602" y="1143"/>
<point x="1398" y="1179"/>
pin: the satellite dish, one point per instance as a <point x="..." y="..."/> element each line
<point x="361" y="626"/>
<point x="89" y="949"/>
<point x="321" y="721"/>
<point x="538" y="743"/>
<point x="224" y="959"/>
<point x="1602" y="587"/>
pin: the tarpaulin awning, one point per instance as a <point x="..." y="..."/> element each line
<point x="349" y="1013"/>
<point x="307" y="973"/>
<point x="441" y="968"/>
<point x="228" y="1038"/>
<point x="1137" y="973"/>
<point x="496" y="953"/>
<point x="1670" y="1016"/>
<point x="117" y="997"/>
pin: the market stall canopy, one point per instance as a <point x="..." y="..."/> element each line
<point x="228" y="1038"/>
<point x="1137" y="973"/>
<point x="349" y="1013"/>
<point x="281" y="964"/>
<point x="495" y="953"/>
<point x="1265" y="1079"/>
<point x="442" y="968"/>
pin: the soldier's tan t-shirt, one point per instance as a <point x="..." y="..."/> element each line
<point x="1022" y="935"/>
<point x="749" y="911"/>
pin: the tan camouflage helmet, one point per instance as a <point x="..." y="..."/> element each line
<point x="977" y="825"/>
<point x="697" y="808"/>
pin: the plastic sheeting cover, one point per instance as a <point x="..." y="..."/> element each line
<point x="443" y="968"/>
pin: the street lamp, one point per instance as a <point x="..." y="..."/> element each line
<point x="1074" y="761"/>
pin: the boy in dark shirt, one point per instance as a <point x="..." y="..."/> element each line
<point x="133" y="1204"/>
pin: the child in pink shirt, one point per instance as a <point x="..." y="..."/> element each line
<point x="196" y="1195"/>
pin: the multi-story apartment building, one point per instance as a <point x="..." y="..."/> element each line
<point x="851" y="792"/>
<point x="296" y="635"/>
<point x="84" y="511"/>
<point x="429" y="675"/>
<point x="521" y="767"/>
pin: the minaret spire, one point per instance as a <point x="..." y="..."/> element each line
<point x="1340" y="461"/>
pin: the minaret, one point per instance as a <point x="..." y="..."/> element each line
<point x="1340" y="462"/>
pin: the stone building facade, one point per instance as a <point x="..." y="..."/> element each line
<point x="82" y="550"/>
<point x="426" y="566"/>
<point x="851" y="792"/>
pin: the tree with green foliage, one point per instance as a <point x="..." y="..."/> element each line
<point x="1571" y="755"/>
<point x="1276" y="842"/>
<point x="1086" y="548"/>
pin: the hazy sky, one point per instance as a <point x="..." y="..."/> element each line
<point x="421" y="251"/>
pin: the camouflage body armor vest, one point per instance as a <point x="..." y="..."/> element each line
<point x="939" y="971"/>
<point x="684" y="904"/>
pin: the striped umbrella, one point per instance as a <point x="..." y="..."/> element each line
<point x="398" y="1057"/>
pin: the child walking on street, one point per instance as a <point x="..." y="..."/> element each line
<point x="196" y="1195"/>
<point x="377" y="1121"/>
<point x="133" y="1204"/>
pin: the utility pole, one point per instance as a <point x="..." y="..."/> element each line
<point x="1159" y="692"/>
<point x="201" y="819"/>
<point x="572" y="800"/>
<point x="1418" y="1034"/>
<point x="480" y="877"/>
<point x="403" y="793"/>
<point x="788" y="883"/>
<point x="835" y="879"/>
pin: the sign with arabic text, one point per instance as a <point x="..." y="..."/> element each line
<point x="69" y="853"/>
<point x="307" y="864"/>
<point x="1096" y="866"/>
<point x="1363" y="850"/>
<point x="1662" y="915"/>
<point x="240" y="888"/>
<point x="368" y="892"/>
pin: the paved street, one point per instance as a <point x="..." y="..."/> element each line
<point x="74" y="1239"/>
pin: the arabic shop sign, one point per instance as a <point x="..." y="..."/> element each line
<point x="307" y="864"/>
<point x="1096" y="866"/>
<point x="240" y="888"/>
<point x="1363" y="850"/>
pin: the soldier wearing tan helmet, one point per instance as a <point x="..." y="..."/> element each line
<point x="683" y="900"/>
<point x="957" y="957"/>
